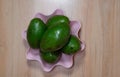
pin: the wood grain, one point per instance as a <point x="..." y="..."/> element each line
<point x="100" y="30"/>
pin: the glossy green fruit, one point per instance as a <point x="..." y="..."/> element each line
<point x="50" y="57"/>
<point x="72" y="46"/>
<point x="35" y="32"/>
<point x="55" y="37"/>
<point x="57" y="19"/>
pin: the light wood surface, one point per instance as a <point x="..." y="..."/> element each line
<point x="100" y="31"/>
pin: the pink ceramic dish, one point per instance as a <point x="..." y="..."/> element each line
<point x="65" y="60"/>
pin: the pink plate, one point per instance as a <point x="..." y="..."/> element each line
<point x="65" y="60"/>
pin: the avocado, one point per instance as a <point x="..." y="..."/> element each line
<point x="72" y="46"/>
<point x="55" y="37"/>
<point x="50" y="57"/>
<point x="56" y="20"/>
<point x="35" y="32"/>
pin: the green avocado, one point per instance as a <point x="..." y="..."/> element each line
<point x="50" y="57"/>
<point x="72" y="46"/>
<point x="55" y="37"/>
<point x="57" y="19"/>
<point x="35" y="32"/>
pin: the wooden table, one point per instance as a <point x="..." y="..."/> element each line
<point x="100" y="31"/>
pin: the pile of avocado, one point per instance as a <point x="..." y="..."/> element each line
<point x="52" y="38"/>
